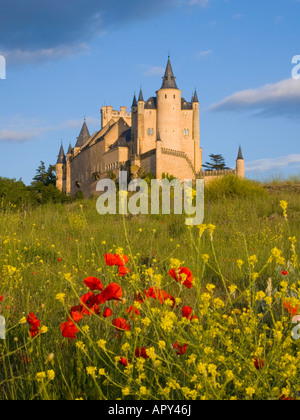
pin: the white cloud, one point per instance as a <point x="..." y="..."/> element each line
<point x="29" y="130"/>
<point x="201" y="54"/>
<point x="154" y="71"/>
<point x="17" y="56"/>
<point x="282" y="98"/>
<point x="201" y="3"/>
<point x="265" y="165"/>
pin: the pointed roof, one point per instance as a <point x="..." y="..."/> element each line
<point x="169" y="80"/>
<point x="141" y="97"/>
<point x="70" y="150"/>
<point x="240" y="154"/>
<point x="61" y="158"/>
<point x="134" y="103"/>
<point x="83" y="136"/>
<point x="195" y="99"/>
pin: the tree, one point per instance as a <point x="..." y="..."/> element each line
<point x="217" y="163"/>
<point x="46" y="177"/>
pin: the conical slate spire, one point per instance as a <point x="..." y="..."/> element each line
<point x="195" y="99"/>
<point x="61" y="159"/>
<point x="83" y="136"/>
<point x="134" y="103"/>
<point x="240" y="154"/>
<point x="169" y="80"/>
<point x="141" y="97"/>
<point x="70" y="150"/>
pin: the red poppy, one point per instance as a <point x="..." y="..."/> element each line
<point x="76" y="315"/>
<point x="121" y="324"/>
<point x="87" y="303"/>
<point x="259" y="364"/>
<point x="59" y="259"/>
<point x="134" y="311"/>
<point x="107" y="313"/>
<point x="187" y="313"/>
<point x="181" y="349"/>
<point x="161" y="295"/>
<point x="285" y="273"/>
<point x="292" y="310"/>
<point x="123" y="361"/>
<point x="112" y="292"/>
<point x="141" y="352"/>
<point x="182" y="275"/>
<point x="35" y="325"/>
<point x="123" y="271"/>
<point x="69" y="330"/>
<point x="93" y="283"/>
<point x="115" y="259"/>
<point x="1" y="298"/>
<point x="284" y="398"/>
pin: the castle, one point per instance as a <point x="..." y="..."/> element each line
<point x="160" y="136"/>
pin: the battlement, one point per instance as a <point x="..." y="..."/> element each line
<point x="108" y="114"/>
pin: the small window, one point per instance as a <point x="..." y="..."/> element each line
<point x="166" y="96"/>
<point x="174" y="96"/>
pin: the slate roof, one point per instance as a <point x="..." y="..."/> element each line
<point x="169" y="80"/>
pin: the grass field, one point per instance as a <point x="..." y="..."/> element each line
<point x="226" y="335"/>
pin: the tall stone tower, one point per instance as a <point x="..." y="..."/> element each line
<point x="196" y="133"/>
<point x="240" y="164"/>
<point x="61" y="170"/>
<point x="169" y="111"/>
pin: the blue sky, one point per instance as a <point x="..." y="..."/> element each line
<point x="67" y="59"/>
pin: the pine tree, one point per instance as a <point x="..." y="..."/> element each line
<point x="217" y="163"/>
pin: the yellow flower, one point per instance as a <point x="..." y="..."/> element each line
<point x="91" y="371"/>
<point x="250" y="391"/>
<point x="40" y="376"/>
<point x="232" y="289"/>
<point x="80" y="345"/>
<point x="146" y="321"/>
<point x="101" y="344"/>
<point x="126" y="391"/>
<point x="126" y="347"/>
<point x="162" y="345"/>
<point x="143" y="390"/>
<point x="205" y="258"/>
<point x="175" y="263"/>
<point x="23" y="320"/>
<point x="210" y="287"/>
<point x="44" y="329"/>
<point x="240" y="263"/>
<point x="218" y="303"/>
<point x="102" y="372"/>
<point x="253" y="260"/>
<point x="61" y="297"/>
<point x="51" y="375"/>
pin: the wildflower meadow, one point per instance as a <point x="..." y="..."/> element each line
<point x="146" y="308"/>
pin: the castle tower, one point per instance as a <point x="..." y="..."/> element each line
<point x="134" y="125"/>
<point x="240" y="164"/>
<point x="61" y="171"/>
<point x="196" y="134"/>
<point x="141" y="122"/>
<point x="82" y="138"/>
<point x="68" y="170"/>
<point x="169" y="111"/>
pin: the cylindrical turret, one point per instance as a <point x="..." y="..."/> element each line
<point x="169" y="111"/>
<point x="240" y="165"/>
